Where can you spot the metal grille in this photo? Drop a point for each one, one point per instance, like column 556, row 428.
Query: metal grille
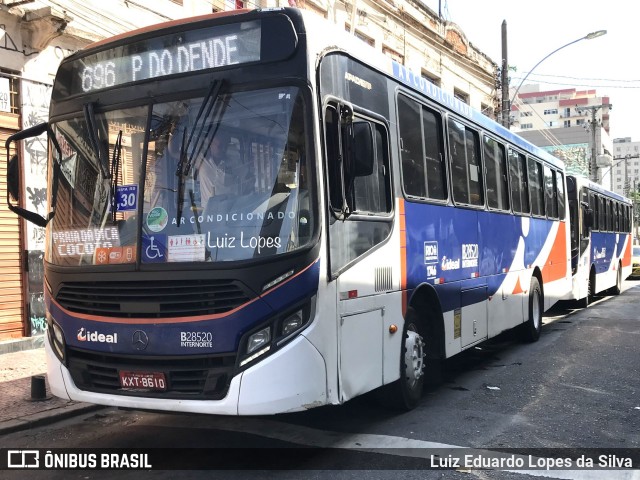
column 159, row 299
column 187, row 377
column 383, row 279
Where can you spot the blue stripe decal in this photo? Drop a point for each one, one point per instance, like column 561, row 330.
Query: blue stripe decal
column 466, row 248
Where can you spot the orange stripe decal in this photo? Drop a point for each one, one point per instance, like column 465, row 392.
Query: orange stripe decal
column 555, row 267
column 403, row 254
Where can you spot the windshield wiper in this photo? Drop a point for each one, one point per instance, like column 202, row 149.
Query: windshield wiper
column 181, row 176
column 115, row 169
column 186, row 161
column 90, row 118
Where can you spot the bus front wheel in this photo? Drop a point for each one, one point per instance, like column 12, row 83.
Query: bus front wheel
column 405, row 393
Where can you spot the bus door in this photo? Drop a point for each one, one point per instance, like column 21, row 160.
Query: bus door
column 361, row 256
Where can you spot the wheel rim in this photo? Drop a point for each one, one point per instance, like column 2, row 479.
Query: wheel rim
column 535, row 310
column 414, row 358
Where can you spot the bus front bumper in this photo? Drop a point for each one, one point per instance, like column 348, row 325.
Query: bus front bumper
column 292, row 379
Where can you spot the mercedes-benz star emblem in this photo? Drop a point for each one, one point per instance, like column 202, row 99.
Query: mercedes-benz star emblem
column 140, row 340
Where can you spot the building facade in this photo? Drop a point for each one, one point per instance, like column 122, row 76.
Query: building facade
column 626, row 166
column 574, row 123
column 35, row 35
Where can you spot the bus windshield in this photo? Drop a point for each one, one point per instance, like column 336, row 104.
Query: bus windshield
column 210, row 179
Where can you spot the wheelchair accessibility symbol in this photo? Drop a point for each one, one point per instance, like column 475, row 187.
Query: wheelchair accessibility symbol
column 154, row 248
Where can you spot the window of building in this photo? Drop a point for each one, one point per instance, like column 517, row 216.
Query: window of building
column 551, row 111
column 361, row 36
column 460, row 95
column 431, row 78
column 567, row 123
column 487, row 110
column 9, row 92
column 391, row 53
column 526, row 126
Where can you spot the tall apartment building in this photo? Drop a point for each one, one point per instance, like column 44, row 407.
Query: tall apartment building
column 626, row 166
column 35, row 35
column 572, row 124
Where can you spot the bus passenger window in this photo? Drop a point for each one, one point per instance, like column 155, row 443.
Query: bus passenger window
column 413, row 168
column 373, row 192
column 422, row 147
column 595, row 207
column 561, row 199
column 536, row 187
column 434, row 148
column 497, row 192
column 550, row 193
column 518, row 180
column 466, row 173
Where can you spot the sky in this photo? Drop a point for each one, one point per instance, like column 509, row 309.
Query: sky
column 609, row 64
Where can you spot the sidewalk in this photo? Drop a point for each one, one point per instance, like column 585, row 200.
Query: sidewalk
column 19, row 361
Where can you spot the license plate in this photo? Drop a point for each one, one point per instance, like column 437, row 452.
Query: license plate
column 143, row 380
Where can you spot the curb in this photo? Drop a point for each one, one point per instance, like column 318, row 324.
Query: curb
column 27, row 343
column 47, row 417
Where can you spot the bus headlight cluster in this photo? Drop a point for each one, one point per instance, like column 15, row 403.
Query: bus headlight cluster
column 56, row 337
column 276, row 334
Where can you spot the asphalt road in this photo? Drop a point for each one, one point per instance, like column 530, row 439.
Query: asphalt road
column 577, row 388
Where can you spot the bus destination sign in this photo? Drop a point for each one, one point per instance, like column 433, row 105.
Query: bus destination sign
column 183, row 52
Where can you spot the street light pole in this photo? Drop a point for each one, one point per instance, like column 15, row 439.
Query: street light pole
column 589, row 36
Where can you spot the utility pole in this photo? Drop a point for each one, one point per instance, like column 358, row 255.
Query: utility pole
column 593, row 124
column 504, row 80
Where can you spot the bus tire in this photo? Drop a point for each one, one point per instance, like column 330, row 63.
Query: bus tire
column 405, row 393
column 617, row 288
column 531, row 328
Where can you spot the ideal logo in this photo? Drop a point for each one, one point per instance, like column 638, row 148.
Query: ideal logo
column 430, row 252
column 86, row 336
column 448, row 264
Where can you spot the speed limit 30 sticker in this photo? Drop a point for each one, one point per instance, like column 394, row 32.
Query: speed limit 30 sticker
column 126, row 198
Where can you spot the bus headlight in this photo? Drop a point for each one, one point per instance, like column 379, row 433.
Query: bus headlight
column 258, row 339
column 291, row 324
column 56, row 337
column 277, row 333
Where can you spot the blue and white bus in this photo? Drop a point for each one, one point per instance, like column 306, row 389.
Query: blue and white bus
column 601, row 226
column 364, row 224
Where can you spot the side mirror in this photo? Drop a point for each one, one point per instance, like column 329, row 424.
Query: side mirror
column 13, row 178
column 13, row 174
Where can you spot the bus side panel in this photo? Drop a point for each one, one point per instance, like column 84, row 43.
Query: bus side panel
column 476, row 257
column 604, row 248
column 626, row 255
